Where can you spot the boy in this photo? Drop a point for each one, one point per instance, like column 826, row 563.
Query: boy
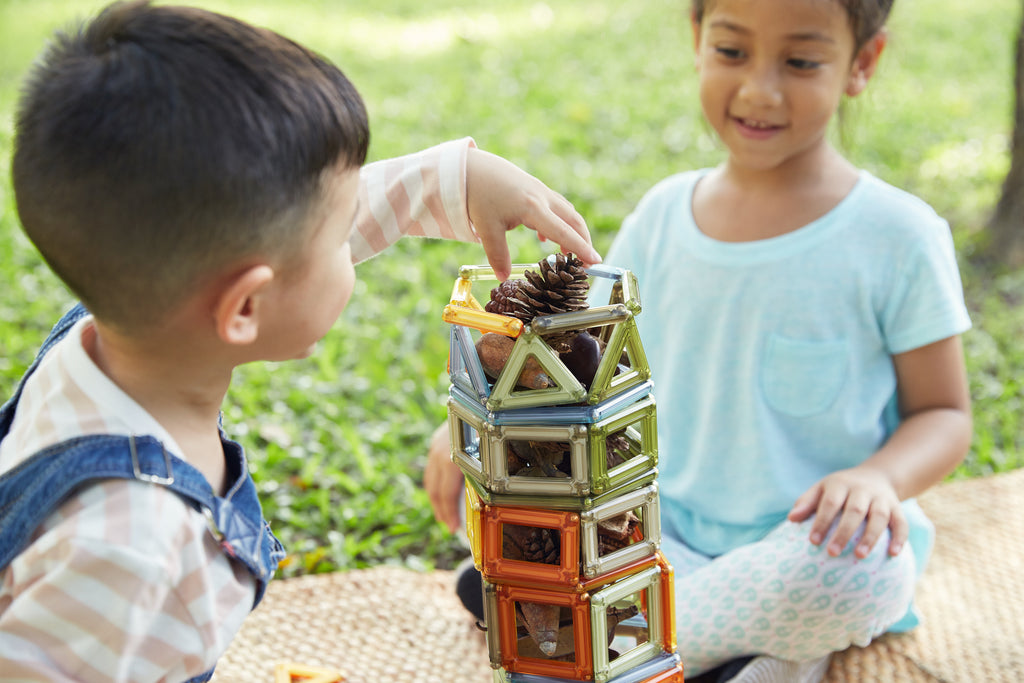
column 196, row 182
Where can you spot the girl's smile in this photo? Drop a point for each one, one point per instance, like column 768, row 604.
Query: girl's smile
column 756, row 129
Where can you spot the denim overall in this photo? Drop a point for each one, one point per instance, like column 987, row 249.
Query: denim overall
column 36, row 487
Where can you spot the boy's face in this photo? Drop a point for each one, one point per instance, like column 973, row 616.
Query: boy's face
column 310, row 295
column 772, row 75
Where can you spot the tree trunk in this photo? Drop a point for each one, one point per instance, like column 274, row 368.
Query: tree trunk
column 1006, row 227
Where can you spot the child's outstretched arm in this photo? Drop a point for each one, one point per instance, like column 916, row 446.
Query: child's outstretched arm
column 456, row 191
column 931, row 441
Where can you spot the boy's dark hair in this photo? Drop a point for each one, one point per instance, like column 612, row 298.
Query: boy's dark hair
column 155, row 146
column 867, row 17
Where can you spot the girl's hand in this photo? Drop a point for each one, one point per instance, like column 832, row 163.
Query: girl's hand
column 853, row 496
column 502, row 196
column 442, row 479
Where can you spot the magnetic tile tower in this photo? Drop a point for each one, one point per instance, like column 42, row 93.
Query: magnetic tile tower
column 562, row 506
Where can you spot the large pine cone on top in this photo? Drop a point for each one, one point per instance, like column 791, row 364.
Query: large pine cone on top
column 558, row 287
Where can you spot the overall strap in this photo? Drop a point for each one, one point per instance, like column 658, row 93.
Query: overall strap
column 33, row 490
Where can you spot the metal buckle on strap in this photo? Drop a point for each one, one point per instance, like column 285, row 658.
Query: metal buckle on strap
column 151, row 478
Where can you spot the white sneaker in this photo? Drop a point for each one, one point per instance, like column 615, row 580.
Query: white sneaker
column 765, row 669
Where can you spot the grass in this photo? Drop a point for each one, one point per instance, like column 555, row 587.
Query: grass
column 598, row 99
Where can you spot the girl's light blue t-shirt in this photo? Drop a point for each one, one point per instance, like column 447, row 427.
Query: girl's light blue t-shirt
column 772, row 359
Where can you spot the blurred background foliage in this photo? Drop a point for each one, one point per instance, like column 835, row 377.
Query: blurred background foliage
column 598, row 99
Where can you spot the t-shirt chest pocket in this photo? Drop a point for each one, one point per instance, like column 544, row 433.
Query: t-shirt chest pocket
column 803, row 377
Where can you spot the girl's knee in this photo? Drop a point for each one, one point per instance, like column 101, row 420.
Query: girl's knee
column 855, row 599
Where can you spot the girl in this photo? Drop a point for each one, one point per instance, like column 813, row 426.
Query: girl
column 802, row 322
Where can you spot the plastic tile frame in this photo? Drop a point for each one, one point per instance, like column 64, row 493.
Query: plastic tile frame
column 648, row 584
column 474, row 524
column 497, row 568
column 559, row 502
column 577, row 483
column 618, row 331
column 640, row 421
column 480, row 449
column 647, row 500
column 649, row 662
column 469, row 441
column 543, row 415
column 665, row 668
column 581, row 668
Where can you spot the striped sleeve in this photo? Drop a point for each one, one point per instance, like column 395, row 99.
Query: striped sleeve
column 421, row 194
column 122, row 583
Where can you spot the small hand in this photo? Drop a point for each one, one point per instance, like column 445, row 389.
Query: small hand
column 443, row 480
column 502, row 196
column 853, row 495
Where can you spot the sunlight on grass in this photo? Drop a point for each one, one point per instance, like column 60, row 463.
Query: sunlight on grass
column 383, row 37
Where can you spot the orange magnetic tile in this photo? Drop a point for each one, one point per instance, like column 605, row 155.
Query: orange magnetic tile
column 482, row 320
column 581, row 669
column 563, row 576
column 290, row 672
column 668, row 597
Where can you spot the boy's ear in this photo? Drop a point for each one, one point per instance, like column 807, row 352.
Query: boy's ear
column 237, row 306
column 865, row 62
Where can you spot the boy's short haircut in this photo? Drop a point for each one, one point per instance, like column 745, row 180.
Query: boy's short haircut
column 156, row 146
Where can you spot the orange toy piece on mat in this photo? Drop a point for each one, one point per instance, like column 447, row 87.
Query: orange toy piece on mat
column 289, row 672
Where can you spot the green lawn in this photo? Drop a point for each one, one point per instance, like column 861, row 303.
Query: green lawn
column 598, row 99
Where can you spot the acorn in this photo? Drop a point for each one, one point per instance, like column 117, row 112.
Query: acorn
column 494, row 350
column 583, row 357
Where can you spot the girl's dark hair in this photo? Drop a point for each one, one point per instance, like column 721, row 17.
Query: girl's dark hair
column 867, row 17
column 158, row 144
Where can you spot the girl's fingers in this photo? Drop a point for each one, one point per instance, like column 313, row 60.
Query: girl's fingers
column 877, row 522
column 899, row 528
column 829, row 506
column 805, row 505
column 854, row 512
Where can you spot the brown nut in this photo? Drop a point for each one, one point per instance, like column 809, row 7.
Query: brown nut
column 494, row 350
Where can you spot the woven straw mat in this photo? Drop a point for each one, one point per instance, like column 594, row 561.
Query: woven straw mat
column 389, row 624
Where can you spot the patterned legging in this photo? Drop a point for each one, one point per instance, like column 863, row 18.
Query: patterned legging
column 785, row 597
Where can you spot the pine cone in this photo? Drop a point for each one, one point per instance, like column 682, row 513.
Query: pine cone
column 531, row 544
column 616, row 533
column 617, row 449
column 544, row 458
column 504, row 301
column 555, row 288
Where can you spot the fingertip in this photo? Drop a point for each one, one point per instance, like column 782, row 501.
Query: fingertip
column 502, row 267
column 799, row 512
